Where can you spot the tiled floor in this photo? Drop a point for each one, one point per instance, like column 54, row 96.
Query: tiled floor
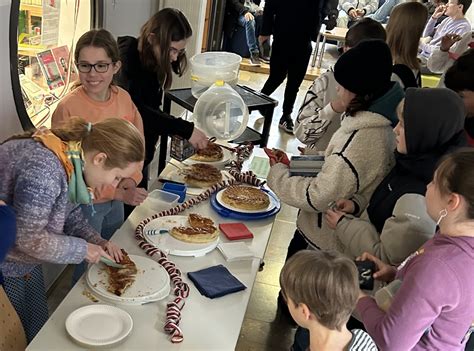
column 263, row 327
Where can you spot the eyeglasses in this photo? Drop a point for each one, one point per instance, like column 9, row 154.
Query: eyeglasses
column 100, row 67
column 174, row 51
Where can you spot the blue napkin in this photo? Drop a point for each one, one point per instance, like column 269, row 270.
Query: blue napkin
column 215, row 281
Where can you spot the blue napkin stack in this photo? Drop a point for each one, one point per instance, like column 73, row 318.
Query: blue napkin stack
column 215, row 281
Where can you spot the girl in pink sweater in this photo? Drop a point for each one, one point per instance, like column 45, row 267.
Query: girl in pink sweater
column 434, row 306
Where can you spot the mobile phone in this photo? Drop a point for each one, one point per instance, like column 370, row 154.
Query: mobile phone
column 366, row 269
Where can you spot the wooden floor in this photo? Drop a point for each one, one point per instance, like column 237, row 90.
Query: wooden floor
column 330, row 57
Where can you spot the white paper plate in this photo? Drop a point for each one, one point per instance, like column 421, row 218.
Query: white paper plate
column 99, row 325
column 270, row 206
column 152, row 283
column 167, row 243
column 227, row 156
column 176, row 176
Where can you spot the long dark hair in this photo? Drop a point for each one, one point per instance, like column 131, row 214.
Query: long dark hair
column 166, row 26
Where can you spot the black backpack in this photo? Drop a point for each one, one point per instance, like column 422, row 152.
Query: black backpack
column 406, row 76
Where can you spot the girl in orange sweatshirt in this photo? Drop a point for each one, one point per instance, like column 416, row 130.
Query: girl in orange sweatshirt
column 96, row 98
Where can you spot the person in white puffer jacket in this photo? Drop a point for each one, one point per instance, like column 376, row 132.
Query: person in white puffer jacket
column 352, row 10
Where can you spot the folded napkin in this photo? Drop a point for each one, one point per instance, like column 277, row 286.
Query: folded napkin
column 215, row 281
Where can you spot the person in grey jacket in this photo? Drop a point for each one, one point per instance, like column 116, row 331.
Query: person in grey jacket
column 395, row 224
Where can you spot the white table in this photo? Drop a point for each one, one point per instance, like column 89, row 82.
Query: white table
column 207, row 324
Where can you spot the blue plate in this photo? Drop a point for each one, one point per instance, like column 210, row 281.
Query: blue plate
column 225, row 212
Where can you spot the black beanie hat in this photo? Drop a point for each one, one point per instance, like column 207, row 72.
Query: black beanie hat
column 366, row 68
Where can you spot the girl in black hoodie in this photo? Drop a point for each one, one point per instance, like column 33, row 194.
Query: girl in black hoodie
column 148, row 63
column 395, row 223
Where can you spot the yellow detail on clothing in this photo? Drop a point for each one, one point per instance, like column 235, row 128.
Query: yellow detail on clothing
column 56, row 146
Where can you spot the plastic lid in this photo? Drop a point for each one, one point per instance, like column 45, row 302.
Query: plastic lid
column 221, row 112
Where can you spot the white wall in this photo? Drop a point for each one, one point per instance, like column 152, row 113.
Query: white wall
column 470, row 15
column 125, row 17
column 10, row 123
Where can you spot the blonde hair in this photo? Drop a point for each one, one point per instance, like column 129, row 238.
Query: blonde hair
column 327, row 282
column 119, row 139
column 404, row 29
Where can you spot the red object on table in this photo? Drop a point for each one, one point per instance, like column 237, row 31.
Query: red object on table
column 235, row 231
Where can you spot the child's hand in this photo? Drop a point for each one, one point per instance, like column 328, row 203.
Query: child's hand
column 385, row 272
column 332, row 217
column 302, row 150
column 114, row 251
column 352, row 13
column 346, row 206
column 448, row 40
column 276, row 156
column 439, row 11
column 128, row 192
column 360, row 12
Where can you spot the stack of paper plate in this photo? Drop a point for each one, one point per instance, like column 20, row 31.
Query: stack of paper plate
column 167, row 243
column 152, row 283
column 99, row 325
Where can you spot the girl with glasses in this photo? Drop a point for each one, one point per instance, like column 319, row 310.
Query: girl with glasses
column 149, row 62
column 95, row 97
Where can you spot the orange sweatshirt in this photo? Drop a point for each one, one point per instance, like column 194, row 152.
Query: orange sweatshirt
column 120, row 105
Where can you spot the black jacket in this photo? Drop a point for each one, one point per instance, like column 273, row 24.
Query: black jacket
column 146, row 92
column 434, row 124
column 296, row 22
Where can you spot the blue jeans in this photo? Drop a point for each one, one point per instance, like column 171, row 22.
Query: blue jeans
column 250, row 34
column 384, row 11
column 108, row 217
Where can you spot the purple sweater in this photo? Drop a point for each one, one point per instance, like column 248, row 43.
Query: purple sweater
column 49, row 227
column 434, row 306
column 447, row 26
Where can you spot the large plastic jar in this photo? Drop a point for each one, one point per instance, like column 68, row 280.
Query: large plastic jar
column 209, row 67
column 221, row 112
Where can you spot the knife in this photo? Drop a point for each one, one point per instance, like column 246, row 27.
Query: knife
column 110, row 263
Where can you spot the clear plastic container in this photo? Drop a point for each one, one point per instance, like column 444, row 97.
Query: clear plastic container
column 221, row 112
column 159, row 200
column 209, row 67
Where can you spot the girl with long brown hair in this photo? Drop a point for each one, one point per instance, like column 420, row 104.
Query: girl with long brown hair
column 148, row 64
column 404, row 30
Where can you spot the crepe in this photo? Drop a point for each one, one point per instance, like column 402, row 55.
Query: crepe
column 245, row 197
column 199, row 230
column 201, row 175
column 211, row 153
column 120, row 279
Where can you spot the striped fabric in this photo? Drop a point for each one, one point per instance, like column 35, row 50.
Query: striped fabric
column 28, row 296
column 361, row 341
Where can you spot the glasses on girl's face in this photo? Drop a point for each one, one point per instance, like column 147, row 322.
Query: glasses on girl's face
column 174, row 51
column 100, row 67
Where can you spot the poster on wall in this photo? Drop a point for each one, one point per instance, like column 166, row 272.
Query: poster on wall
column 61, row 56
column 50, row 69
column 50, row 24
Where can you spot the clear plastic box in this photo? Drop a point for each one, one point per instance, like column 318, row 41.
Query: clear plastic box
column 209, row 67
column 159, row 200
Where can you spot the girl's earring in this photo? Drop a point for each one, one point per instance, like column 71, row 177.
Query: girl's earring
column 443, row 213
